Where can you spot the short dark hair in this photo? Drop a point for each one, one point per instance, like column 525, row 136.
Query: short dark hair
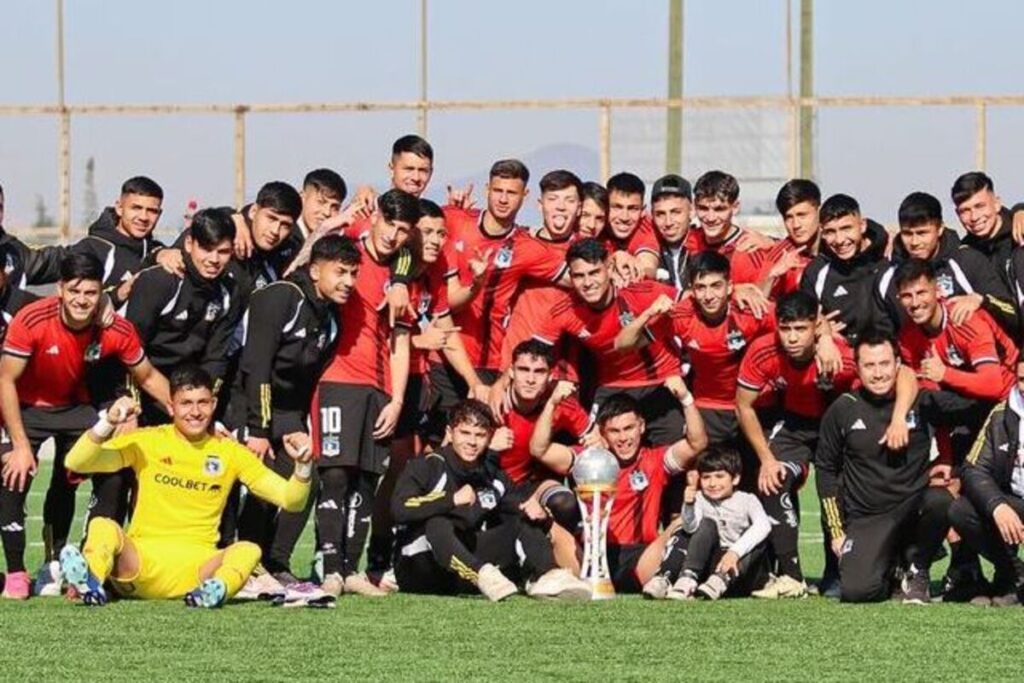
column 142, row 185
column 874, row 338
column 626, row 183
column 838, row 206
column 720, row 459
column 473, row 412
column 717, row 185
column 429, row 209
column 970, row 184
column 616, row 405
column 797, row 191
column 336, row 248
column 510, row 169
column 708, row 263
column 590, row 250
column 413, row 144
column 553, row 181
column 280, row 197
column 189, row 376
column 210, row 227
column 398, row 205
column 595, row 192
column 920, row 208
column 80, row 266
column 912, row 270
column 535, row 348
column 326, row 182
column 794, row 306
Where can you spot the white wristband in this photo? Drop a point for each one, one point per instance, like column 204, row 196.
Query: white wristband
column 103, row 429
column 687, row 400
column 304, row 471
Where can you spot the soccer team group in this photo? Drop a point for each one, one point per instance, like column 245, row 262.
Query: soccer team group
column 421, row 380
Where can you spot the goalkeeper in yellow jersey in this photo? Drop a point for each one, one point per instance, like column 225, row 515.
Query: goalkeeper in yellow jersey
column 184, row 474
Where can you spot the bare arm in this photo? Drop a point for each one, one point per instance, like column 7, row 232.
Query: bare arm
column 152, row 381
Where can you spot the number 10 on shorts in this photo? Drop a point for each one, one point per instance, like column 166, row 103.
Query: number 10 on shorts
column 330, row 431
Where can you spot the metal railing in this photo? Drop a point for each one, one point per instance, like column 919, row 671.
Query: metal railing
column 603, row 107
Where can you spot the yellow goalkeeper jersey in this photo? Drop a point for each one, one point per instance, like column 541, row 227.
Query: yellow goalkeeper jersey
column 183, row 485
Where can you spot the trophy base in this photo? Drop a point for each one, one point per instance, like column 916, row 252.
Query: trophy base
column 601, row 589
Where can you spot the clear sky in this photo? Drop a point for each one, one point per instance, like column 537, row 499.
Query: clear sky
column 319, row 50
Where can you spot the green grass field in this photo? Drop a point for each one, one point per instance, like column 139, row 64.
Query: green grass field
column 406, row 637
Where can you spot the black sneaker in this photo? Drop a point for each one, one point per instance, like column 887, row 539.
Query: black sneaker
column 1005, row 592
column 964, row 587
column 914, row 586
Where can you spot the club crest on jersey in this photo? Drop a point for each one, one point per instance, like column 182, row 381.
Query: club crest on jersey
column 955, row 359
column 321, row 341
column 824, row 382
column 212, row 309
column 638, row 481
column 911, row 420
column 92, row 352
column 331, row 446
column 261, row 282
column 944, row 283
column 625, row 318
column 735, row 341
column 488, row 499
column 503, row 259
column 213, row 466
column 9, row 264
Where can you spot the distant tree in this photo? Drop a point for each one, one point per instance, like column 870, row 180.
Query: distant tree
column 43, row 218
column 91, row 205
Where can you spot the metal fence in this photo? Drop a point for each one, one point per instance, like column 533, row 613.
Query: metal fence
column 603, row 108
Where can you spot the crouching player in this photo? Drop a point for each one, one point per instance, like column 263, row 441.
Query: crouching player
column 184, row 475
column 459, row 529
column 720, row 546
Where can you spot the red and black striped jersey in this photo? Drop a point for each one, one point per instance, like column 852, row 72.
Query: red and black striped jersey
column 715, row 351
column 596, row 329
column 59, row 357
column 754, row 266
column 805, row 392
column 979, row 356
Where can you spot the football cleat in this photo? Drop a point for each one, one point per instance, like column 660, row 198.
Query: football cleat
column 211, row 593
column 77, row 573
column 48, row 581
column 657, row 588
column 17, row 586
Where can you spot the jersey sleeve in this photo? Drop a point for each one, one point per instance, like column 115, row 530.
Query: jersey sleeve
column 759, row 365
column 129, row 347
column 643, row 238
column 437, row 281
column 560, row 321
column 847, row 375
column 20, row 341
column 571, row 418
column 420, row 493
column 268, row 314
column 538, row 261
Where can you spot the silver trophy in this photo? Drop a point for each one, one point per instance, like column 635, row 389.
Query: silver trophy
column 596, row 473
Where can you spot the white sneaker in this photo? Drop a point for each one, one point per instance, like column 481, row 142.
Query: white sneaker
column 388, row 581
column 333, row 584
column 359, row 584
column 560, row 584
column 49, row 581
column 779, row 587
column 714, row 587
column 261, row 586
column 657, row 588
column 684, row 588
column 494, row 584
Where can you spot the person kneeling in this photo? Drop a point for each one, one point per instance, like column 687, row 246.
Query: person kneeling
column 458, row 529
column 720, row 546
column 184, row 474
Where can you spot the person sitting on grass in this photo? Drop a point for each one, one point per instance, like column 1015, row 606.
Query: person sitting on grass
column 460, row 530
column 719, row 548
column 184, row 475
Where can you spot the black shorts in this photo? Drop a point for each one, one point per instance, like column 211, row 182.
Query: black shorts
column 722, row 426
column 622, row 562
column 661, row 411
column 65, row 424
column 794, row 439
column 414, row 407
column 343, row 427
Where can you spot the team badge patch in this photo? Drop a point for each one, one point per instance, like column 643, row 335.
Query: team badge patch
column 92, row 352
column 625, row 318
column 212, row 310
column 331, row 447
column 213, row 466
column 638, row 481
column 503, row 259
column 847, row 546
column 955, row 359
column 488, row 499
column 735, row 341
column 911, row 420
column 944, row 283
